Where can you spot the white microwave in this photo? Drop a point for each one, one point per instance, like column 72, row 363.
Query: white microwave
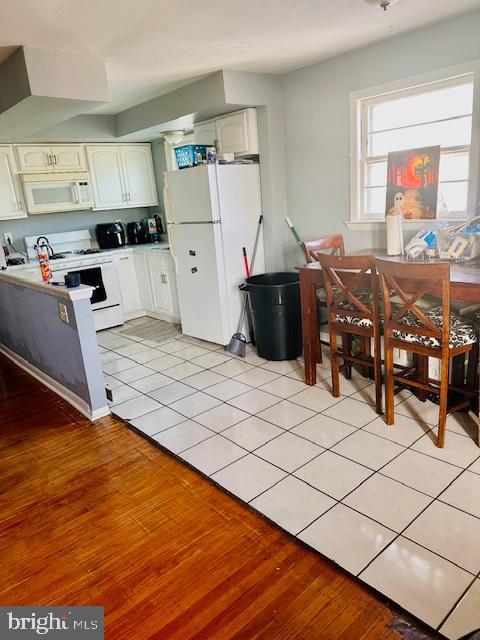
column 51, row 193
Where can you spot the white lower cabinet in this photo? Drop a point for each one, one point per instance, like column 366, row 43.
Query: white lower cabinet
column 129, row 289
column 148, row 285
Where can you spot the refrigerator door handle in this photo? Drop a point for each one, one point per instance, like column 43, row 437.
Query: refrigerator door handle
column 172, row 247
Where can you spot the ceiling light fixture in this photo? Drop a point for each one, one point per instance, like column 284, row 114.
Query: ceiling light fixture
column 383, row 4
column 173, row 137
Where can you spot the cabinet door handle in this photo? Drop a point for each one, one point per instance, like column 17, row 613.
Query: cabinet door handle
column 54, row 158
column 19, row 205
column 128, row 196
column 49, row 159
column 124, row 258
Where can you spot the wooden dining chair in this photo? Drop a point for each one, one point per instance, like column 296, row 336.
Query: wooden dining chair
column 426, row 333
column 315, row 248
column 351, row 286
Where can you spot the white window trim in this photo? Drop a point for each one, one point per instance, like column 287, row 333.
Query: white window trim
column 413, row 83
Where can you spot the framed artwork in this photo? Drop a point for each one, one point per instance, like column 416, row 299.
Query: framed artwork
column 412, row 183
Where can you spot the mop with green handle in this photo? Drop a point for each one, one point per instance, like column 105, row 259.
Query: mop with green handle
column 238, row 342
column 298, row 240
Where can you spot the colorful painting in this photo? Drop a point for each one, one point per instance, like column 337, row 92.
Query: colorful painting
column 412, row 183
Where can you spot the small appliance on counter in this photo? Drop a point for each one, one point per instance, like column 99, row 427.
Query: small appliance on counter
column 110, row 235
column 138, row 232
column 3, row 259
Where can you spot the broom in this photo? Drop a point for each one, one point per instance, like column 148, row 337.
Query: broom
column 238, row 342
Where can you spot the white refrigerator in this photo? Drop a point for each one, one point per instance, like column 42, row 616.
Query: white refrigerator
column 212, row 212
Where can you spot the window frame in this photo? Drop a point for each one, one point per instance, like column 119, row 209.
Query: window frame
column 360, row 101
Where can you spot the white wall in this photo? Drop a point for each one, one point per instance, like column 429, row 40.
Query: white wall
column 316, row 112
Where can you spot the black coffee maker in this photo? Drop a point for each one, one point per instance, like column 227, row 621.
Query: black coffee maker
column 110, row 235
column 138, row 232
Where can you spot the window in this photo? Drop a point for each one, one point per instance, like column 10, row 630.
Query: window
column 437, row 113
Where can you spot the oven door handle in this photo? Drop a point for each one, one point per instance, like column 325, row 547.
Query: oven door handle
column 76, row 193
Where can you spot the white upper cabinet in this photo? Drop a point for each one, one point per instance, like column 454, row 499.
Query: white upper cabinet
column 139, row 178
column 237, row 133
column 106, row 176
column 10, row 191
column 121, row 176
column 38, row 158
column 204, row 133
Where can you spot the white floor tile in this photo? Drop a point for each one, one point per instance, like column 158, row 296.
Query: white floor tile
column 405, row 431
column 113, row 341
column 227, row 389
column 123, row 393
column 146, row 355
column 172, row 392
column 358, row 382
column 285, row 414
column 348, row 538
column 130, row 349
column 282, row 366
column 451, row 533
column 367, row 449
column 353, row 412
column 233, row 367
column 283, row 387
column 112, row 382
column 211, row 346
column 253, row 358
column 221, row 417
column 118, row 365
column 367, row 394
column 191, row 351
column 292, row 504
column 204, row 379
column 323, row 430
column 252, row 433
column 421, row 472
column 464, row 424
column 475, row 467
column 315, row 399
column 165, row 362
column 194, row 404
column 288, row 451
column 458, row 450
column 387, row 501
column 109, row 356
column 134, row 408
column 466, row 616
column 254, row 401
column 257, row 377
column 182, row 436
column 213, row 454
column 157, row 421
column 212, row 359
column 174, row 346
column 423, row 411
column 150, row 383
column 420, row 581
column 332, row 474
column 248, row 477
column 464, row 493
column 183, row 370
column 134, row 373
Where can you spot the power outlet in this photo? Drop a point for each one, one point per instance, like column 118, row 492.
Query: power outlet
column 8, row 238
column 63, row 312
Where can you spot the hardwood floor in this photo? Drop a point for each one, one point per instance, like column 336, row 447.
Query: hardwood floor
column 95, row 514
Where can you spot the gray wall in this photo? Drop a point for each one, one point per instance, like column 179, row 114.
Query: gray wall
column 31, row 327
column 316, row 108
column 69, row 221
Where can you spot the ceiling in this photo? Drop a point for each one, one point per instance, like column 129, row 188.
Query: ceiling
column 154, row 46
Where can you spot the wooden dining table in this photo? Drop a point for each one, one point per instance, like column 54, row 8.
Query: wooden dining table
column 464, row 285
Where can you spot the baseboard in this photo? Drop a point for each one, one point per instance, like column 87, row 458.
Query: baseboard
column 133, row 315
column 78, row 403
column 167, row 317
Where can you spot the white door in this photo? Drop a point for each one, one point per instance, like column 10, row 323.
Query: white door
column 10, row 194
column 204, row 133
column 171, row 283
column 201, row 287
column 127, row 279
column 139, row 177
column 34, row 158
column 68, row 157
column 191, row 195
column 143, row 281
column 158, row 284
column 105, row 164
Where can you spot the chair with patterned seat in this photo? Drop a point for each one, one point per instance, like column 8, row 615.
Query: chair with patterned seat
column 351, row 287
column 425, row 333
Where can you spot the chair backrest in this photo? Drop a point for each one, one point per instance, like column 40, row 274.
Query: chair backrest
column 410, row 282
column 344, row 277
column 314, row 248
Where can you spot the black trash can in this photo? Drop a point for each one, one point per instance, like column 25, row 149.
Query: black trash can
column 275, row 306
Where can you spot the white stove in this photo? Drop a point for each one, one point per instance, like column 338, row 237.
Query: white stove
column 73, row 253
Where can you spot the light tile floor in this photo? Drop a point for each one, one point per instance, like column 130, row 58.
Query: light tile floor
column 382, row 502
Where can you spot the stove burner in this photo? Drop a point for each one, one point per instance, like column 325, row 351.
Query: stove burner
column 57, row 256
column 87, row 252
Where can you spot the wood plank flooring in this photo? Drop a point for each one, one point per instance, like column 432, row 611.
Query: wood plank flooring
column 95, row 514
